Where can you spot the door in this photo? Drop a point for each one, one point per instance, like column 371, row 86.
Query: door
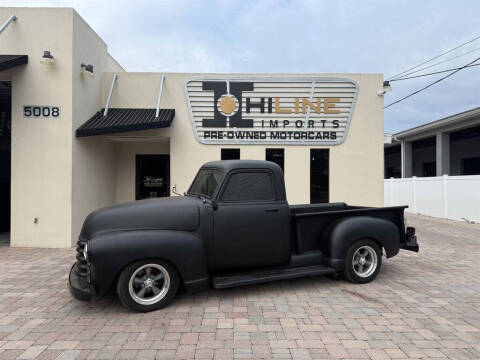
column 277, row 156
column 319, row 184
column 248, row 226
column 5, row 153
column 152, row 176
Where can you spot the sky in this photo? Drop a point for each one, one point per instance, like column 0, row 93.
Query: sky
column 300, row 36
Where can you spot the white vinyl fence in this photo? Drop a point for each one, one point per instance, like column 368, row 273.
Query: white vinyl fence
column 451, row 197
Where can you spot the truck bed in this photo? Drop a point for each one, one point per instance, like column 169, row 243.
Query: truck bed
column 310, row 221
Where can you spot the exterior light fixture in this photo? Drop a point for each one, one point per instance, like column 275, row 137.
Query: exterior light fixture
column 87, row 69
column 386, row 88
column 47, row 58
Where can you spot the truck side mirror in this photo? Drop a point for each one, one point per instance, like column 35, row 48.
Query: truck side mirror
column 214, row 205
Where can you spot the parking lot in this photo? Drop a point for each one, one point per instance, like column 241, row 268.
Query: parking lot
column 424, row 305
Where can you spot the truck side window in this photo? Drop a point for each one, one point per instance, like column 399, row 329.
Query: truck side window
column 249, row 186
column 205, row 182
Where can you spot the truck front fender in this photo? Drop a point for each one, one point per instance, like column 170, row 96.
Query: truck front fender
column 340, row 235
column 109, row 253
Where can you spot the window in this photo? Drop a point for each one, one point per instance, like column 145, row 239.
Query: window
column 471, row 166
column 393, row 161
column 319, row 170
column 249, row 186
column 230, row 154
column 275, row 155
column 206, row 182
column 429, row 168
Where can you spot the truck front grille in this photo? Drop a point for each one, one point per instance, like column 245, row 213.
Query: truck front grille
column 81, row 262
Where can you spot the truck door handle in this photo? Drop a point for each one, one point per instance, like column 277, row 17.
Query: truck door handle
column 271, row 210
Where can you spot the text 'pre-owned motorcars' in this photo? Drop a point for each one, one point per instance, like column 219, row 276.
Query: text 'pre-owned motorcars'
column 233, row 227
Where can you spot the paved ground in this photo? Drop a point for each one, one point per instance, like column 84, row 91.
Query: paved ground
column 423, row 305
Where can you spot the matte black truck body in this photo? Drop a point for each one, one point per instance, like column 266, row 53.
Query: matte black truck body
column 240, row 231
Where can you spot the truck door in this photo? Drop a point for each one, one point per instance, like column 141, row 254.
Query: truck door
column 250, row 226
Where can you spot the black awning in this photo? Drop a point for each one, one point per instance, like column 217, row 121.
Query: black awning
column 123, row 120
column 10, row 61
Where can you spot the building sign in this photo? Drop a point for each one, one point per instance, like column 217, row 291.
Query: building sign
column 314, row 111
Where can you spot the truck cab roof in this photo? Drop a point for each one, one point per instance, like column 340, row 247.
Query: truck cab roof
column 228, row 165
column 231, row 165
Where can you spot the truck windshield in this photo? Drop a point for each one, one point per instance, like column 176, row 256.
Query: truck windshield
column 205, row 182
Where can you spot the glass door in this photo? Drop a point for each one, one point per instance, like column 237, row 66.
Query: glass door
column 152, row 176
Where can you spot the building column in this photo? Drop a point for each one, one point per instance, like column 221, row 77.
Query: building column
column 406, row 148
column 443, row 154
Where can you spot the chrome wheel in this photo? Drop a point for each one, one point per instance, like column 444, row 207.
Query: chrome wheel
column 149, row 284
column 364, row 261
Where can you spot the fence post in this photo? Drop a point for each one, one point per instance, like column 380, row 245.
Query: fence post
column 445, row 197
column 391, row 192
column 414, row 190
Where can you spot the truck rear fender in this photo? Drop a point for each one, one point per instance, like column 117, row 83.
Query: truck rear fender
column 341, row 234
column 111, row 252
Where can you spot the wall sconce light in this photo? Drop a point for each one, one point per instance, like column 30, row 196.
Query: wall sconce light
column 87, row 69
column 47, row 58
column 386, row 88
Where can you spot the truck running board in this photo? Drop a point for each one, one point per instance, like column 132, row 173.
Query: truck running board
column 262, row 276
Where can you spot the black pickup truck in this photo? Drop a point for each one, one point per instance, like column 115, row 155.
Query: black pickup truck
column 233, row 227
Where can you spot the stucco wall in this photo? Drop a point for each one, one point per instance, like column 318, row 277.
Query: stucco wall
column 113, row 65
column 56, row 178
column 356, row 166
column 93, row 159
column 41, row 147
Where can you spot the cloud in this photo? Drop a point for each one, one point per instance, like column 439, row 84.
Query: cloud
column 380, row 36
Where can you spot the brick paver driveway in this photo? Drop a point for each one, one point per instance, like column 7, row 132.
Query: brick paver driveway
column 420, row 306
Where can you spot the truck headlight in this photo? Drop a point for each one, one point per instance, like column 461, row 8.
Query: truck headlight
column 85, row 252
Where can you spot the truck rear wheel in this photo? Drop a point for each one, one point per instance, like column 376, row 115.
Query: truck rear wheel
column 363, row 261
column 147, row 285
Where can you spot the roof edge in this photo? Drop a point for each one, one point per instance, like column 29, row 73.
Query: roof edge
column 464, row 115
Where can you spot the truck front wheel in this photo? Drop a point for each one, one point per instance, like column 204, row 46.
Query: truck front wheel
column 363, row 261
column 147, row 285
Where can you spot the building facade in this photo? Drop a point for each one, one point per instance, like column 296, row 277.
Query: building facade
column 80, row 133
column 449, row 146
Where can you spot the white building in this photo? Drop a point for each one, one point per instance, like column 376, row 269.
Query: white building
column 82, row 133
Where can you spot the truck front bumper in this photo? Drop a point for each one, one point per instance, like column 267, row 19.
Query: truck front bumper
column 78, row 286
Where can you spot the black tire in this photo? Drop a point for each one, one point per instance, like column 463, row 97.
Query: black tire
column 352, row 272
column 167, row 285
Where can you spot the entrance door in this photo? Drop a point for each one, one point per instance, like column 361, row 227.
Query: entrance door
column 319, row 184
column 152, row 176
column 5, row 126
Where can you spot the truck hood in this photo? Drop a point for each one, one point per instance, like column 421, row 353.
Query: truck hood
column 172, row 213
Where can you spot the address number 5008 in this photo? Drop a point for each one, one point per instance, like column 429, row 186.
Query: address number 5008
column 41, row 111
